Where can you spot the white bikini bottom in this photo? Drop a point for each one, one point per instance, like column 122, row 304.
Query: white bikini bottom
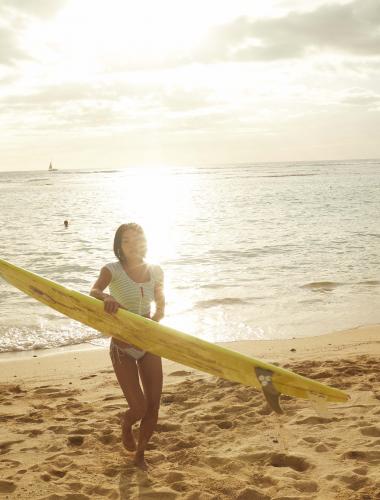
column 117, row 351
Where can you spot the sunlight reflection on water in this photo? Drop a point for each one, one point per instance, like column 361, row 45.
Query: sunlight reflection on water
column 243, row 247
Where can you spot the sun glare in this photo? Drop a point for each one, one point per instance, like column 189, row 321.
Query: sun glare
column 119, row 30
column 160, row 201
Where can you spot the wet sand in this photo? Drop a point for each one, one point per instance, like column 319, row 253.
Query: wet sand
column 60, row 431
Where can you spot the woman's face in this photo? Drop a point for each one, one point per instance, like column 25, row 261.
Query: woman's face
column 133, row 244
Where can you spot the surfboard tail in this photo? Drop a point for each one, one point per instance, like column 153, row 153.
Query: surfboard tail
column 272, row 395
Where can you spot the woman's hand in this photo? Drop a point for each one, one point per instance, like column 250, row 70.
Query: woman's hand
column 157, row 316
column 110, row 304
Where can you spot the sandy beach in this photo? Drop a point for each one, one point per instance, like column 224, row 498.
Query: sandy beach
column 60, row 431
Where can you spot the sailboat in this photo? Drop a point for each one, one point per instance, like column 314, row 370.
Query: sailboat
column 51, row 169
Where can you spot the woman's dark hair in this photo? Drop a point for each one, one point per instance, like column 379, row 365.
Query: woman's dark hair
column 118, row 235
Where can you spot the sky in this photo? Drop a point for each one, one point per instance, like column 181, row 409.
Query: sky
column 112, row 83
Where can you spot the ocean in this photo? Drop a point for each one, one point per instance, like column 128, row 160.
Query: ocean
column 249, row 251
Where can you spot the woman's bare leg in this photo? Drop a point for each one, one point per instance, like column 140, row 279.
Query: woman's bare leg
column 127, row 375
column 150, row 370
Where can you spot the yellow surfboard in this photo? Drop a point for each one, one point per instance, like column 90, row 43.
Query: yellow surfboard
column 170, row 343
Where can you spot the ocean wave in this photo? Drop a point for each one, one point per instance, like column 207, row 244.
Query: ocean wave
column 252, row 252
column 322, row 286
column 369, row 282
column 38, row 179
column 216, row 285
column 287, row 175
column 10, row 181
column 87, row 172
column 204, row 304
column 184, row 260
column 373, row 235
column 329, row 286
column 15, row 339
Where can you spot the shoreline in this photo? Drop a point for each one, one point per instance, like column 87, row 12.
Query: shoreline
column 87, row 346
column 60, row 432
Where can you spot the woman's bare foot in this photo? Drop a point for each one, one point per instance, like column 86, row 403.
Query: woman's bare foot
column 127, row 435
column 139, row 461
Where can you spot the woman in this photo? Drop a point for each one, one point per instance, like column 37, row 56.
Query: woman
column 133, row 285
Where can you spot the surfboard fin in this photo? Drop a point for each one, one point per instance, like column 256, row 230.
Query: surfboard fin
column 270, row 392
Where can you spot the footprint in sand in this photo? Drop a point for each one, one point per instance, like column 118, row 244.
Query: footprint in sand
column 181, row 486
column 168, row 398
column 86, row 411
column 33, row 432
column 32, row 418
column 12, row 389
column 251, row 493
column 372, row 431
column 9, row 463
column 322, row 448
column 111, row 407
column 111, row 471
column 111, row 397
column 75, row 486
column 54, row 392
column 42, row 407
column 57, row 429
column 174, row 476
column 179, row 373
column 306, row 486
column 297, row 463
column 107, row 438
column 369, row 456
column 182, row 444
column 167, row 427
column 77, row 420
column 57, row 473
column 362, row 471
column 62, row 462
column 264, row 410
column 353, row 481
column 82, row 430
column 75, row 440
column 7, row 486
column 5, row 446
column 216, row 461
column 96, row 492
column 310, row 439
column 53, row 448
column 314, row 420
column 211, row 417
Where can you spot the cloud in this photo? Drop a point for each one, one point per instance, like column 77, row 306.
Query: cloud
column 9, row 50
column 117, row 107
column 52, row 95
column 351, row 28
column 361, row 97
column 154, row 96
column 181, row 100
column 39, row 8
column 15, row 15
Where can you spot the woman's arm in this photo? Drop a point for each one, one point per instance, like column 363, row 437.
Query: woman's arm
column 159, row 299
column 110, row 304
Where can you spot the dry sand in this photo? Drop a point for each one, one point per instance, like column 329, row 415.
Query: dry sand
column 60, row 433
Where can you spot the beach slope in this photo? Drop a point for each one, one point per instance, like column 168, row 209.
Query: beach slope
column 60, row 431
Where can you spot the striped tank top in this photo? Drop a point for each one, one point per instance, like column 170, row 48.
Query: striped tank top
column 135, row 297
